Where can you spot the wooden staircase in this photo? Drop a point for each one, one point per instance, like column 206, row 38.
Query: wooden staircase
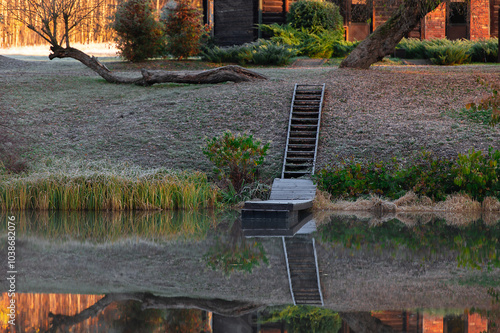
column 303, row 131
column 303, row 274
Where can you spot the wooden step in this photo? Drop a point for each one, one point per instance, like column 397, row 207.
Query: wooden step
column 305, row 113
column 299, row 145
column 293, row 153
column 305, row 119
column 303, row 134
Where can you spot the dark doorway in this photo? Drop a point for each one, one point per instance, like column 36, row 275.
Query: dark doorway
column 360, row 19
column 457, row 20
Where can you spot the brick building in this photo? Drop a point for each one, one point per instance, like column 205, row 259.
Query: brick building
column 234, row 21
column 474, row 19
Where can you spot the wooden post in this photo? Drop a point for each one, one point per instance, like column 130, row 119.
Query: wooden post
column 498, row 57
column 259, row 31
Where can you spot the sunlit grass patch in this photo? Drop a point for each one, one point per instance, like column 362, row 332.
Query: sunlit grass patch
column 99, row 190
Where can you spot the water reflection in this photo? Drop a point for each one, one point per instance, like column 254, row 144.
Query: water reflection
column 169, row 261
column 148, row 313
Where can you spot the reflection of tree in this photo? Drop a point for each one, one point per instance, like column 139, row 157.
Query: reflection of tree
column 476, row 244
column 235, row 252
column 149, row 301
column 364, row 322
column 186, row 321
column 302, row 319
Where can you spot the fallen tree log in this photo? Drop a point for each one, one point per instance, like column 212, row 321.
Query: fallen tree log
column 230, row 73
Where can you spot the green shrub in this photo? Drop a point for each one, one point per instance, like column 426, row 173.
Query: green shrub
column 315, row 44
column 352, row 179
column 313, row 15
column 446, row 52
column 484, row 50
column 451, row 54
column 261, row 52
column 320, row 45
column 138, row 35
column 236, row 157
column 414, row 48
column 270, row 53
column 342, row 48
column 184, row 29
column 221, row 54
column 284, row 33
column 305, row 318
column 428, row 175
column 477, row 173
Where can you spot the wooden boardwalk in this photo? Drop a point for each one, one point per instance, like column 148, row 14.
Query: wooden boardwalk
column 289, row 205
column 295, row 191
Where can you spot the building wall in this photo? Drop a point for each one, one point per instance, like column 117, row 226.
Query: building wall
column 476, row 323
column 435, row 23
column 432, row 324
column 479, row 19
column 383, row 11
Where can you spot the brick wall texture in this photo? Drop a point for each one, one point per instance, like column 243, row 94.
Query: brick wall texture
column 435, row 23
column 432, row 324
column 479, row 19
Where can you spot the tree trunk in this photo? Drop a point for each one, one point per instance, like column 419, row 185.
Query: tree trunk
column 217, row 75
column 385, row 38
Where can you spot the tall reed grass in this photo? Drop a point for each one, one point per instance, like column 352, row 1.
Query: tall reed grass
column 107, row 192
column 113, row 226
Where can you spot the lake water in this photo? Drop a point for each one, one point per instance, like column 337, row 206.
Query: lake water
column 208, row 272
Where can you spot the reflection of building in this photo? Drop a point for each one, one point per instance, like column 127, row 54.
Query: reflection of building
column 416, row 322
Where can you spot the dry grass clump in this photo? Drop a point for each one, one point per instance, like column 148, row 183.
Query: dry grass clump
column 490, row 204
column 103, row 191
column 410, row 202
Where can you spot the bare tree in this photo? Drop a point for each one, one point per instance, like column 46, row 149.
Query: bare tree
column 54, row 20
column 385, row 38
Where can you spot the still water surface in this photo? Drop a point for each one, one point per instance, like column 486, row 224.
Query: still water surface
column 201, row 272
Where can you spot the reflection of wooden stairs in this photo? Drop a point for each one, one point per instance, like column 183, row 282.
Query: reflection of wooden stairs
column 303, row 274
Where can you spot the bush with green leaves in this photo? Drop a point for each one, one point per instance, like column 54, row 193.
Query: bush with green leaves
column 447, row 52
column 261, row 52
column 304, row 318
column 184, row 29
column 314, row 44
column 475, row 173
column 454, row 53
column 271, row 53
column 236, row 157
column 484, row 50
column 315, row 15
column 139, row 35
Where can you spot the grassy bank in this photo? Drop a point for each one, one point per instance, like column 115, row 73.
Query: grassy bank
column 107, row 189
column 79, row 117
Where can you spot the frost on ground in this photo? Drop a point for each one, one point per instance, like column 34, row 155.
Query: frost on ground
column 64, row 110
